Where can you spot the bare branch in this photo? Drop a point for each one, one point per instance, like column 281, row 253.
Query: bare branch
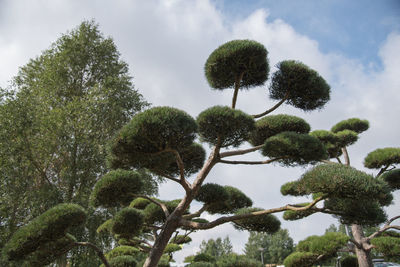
column 181, row 167
column 273, row 108
column 239, row 152
column 386, row 227
column 346, row 156
column 225, row 219
column 195, row 214
column 383, row 170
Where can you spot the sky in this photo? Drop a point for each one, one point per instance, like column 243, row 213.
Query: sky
column 354, row 45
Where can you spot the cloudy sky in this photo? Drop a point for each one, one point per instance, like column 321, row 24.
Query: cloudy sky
column 354, row 45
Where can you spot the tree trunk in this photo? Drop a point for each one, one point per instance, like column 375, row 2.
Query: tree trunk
column 363, row 254
column 161, row 242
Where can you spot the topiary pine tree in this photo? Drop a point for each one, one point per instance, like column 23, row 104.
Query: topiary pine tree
column 355, row 197
column 162, row 141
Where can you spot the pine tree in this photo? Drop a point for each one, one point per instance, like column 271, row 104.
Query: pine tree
column 162, row 141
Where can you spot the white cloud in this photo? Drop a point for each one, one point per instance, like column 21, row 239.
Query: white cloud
column 166, row 44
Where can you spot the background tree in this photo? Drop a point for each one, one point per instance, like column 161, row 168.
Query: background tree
column 56, row 117
column 216, row 248
column 277, row 246
column 162, row 140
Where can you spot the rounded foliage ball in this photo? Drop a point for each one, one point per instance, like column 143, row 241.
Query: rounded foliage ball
column 352, row 124
column 267, row 223
column 209, row 193
column 392, row 177
column 127, row 222
column 123, row 261
column 148, row 139
column 116, row 188
column 121, row 251
column 225, row 126
column 236, row 200
column 47, row 227
column 346, row 138
column 274, row 124
column 235, row 58
column 382, row 157
column 303, row 87
column 300, row 259
column 294, row 149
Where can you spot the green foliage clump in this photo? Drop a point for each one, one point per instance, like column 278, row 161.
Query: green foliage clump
column 150, row 138
column 267, row 223
column 48, row 227
column 116, row 188
column 229, row 61
column 50, row 251
column 353, row 124
column 105, row 227
column 234, row 260
column 203, row 257
column 316, row 248
column 300, row 259
column 201, row 264
column 290, row 188
column 382, row 157
column 291, row 215
column 346, row 138
column 210, row 192
column 122, row 251
column 139, row 203
column 294, row 149
column 392, row 177
column 181, row 239
column 236, row 200
column 326, row 245
column 349, row 261
column 225, row 126
column 368, row 212
column 338, row 180
column 274, row 124
column 303, row 87
column 172, row 247
column 123, row 261
column 387, row 245
column 127, row 222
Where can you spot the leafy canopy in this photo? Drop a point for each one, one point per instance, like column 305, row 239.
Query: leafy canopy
column 235, row 58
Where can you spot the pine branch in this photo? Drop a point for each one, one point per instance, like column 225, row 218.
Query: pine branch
column 225, row 219
column 239, row 152
column 97, row 249
column 250, row 162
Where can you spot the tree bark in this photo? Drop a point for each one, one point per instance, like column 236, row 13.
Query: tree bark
column 362, row 251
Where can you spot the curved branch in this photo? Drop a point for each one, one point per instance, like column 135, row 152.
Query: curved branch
column 160, row 204
column 97, row 249
column 195, row 214
column 181, row 167
column 240, row 152
column 273, row 108
column 346, row 156
column 225, row 219
column 250, row 162
column 386, row 227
